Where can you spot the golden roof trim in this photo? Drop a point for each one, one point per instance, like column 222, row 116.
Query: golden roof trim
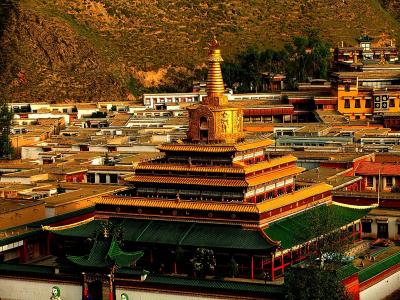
column 189, row 168
column 183, row 204
column 269, row 163
column 267, row 205
column 274, row 175
column 68, row 226
column 293, row 197
column 187, row 180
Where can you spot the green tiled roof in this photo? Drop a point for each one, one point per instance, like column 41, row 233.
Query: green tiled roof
column 96, row 258
column 268, row 289
column 84, row 230
column 17, row 237
column 298, row 229
column 189, row 234
column 32, row 229
column 122, row 258
column 105, row 253
column 378, row 267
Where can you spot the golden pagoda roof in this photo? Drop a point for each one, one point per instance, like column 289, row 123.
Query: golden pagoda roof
column 191, row 168
column 267, row 205
column 188, row 180
column 197, row 148
column 217, row 148
column 274, row 175
column 293, row 197
column 253, row 144
column 268, row 163
column 182, row 204
column 237, row 168
column 254, row 181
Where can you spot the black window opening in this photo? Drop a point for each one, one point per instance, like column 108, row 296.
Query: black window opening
column 346, row 103
column 366, row 227
column 357, row 103
column 370, row 181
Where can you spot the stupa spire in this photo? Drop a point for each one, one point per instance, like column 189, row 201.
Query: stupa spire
column 215, row 82
column 214, row 120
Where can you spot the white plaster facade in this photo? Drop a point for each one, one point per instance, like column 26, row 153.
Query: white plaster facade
column 14, row 289
column 382, row 289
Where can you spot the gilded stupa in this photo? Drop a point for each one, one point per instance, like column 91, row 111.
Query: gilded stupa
column 214, row 121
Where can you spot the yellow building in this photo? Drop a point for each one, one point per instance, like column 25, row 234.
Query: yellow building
column 370, row 94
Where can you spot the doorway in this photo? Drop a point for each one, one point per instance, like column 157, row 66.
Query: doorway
column 95, row 290
column 383, row 230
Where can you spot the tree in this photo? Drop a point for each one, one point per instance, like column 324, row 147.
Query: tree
column 303, row 283
column 203, row 262
column 318, row 277
column 307, row 57
column 6, row 117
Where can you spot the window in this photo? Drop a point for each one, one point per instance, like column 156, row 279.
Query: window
column 368, row 103
column 398, row 228
column 391, row 102
column 389, row 181
column 347, row 87
column 366, row 227
column 346, row 103
column 357, row 103
column 370, row 181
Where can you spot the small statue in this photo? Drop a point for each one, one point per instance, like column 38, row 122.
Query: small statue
column 55, row 293
column 124, row 296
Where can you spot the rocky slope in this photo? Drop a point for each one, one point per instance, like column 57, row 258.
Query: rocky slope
column 56, row 50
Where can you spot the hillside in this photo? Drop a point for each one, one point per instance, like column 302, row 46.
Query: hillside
column 392, row 6
column 53, row 50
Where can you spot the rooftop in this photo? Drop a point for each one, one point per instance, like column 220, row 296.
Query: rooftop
column 81, row 192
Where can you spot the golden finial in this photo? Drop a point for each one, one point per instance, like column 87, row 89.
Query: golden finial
column 213, row 44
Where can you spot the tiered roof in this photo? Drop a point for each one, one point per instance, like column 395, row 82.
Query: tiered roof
column 217, row 148
column 211, row 206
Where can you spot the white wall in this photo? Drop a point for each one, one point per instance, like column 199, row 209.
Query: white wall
column 21, row 180
column 49, row 116
column 13, row 289
column 144, row 295
column 382, row 289
column 30, row 152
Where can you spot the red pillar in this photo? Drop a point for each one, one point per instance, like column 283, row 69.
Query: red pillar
column 360, row 230
column 24, row 256
column 273, row 267
column 282, row 262
column 291, row 256
column 252, row 268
